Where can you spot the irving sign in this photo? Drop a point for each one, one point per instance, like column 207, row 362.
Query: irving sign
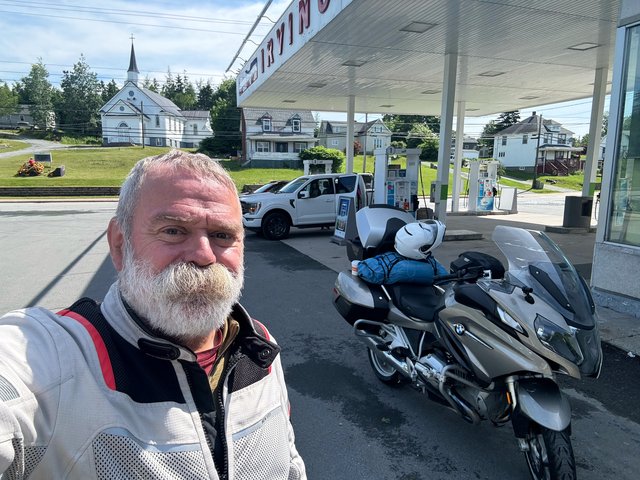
column 296, row 26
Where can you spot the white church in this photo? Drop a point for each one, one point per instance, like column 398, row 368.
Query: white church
column 138, row 116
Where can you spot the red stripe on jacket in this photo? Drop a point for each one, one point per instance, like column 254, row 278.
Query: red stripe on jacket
column 101, row 348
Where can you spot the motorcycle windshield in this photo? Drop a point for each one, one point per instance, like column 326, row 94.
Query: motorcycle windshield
column 537, row 262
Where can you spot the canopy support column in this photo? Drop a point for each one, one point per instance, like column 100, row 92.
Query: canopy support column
column 446, row 123
column 595, row 130
column 351, row 107
column 457, row 161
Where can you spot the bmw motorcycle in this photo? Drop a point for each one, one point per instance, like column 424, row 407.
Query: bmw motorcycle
column 485, row 341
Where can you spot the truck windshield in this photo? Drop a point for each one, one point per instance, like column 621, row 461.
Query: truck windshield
column 293, row 185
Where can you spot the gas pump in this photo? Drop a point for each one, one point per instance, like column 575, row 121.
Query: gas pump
column 394, row 185
column 483, row 183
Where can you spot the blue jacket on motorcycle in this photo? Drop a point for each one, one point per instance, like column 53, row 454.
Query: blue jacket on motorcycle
column 391, row 267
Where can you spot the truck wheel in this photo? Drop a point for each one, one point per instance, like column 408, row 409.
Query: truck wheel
column 276, row 226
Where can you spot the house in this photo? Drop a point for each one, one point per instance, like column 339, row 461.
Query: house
column 469, row 148
column 370, row 135
column 517, row 146
column 274, row 138
column 22, row 118
column 136, row 115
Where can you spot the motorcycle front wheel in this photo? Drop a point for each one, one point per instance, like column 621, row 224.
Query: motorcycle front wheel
column 550, row 455
column 383, row 370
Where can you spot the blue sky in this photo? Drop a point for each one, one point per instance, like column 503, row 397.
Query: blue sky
column 198, row 37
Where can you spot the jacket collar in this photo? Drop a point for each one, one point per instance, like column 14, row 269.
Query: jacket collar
column 258, row 346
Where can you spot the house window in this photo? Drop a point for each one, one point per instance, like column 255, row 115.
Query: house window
column 266, row 124
column 299, row 146
column 334, row 143
column 295, row 123
column 157, row 120
column 525, row 139
column 158, row 142
column 548, row 138
column 377, row 142
column 263, row 147
column 195, row 129
column 562, row 138
column 504, row 140
column 22, row 118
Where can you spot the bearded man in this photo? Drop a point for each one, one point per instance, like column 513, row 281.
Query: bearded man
column 169, row 377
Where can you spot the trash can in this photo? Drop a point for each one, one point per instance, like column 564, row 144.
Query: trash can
column 577, row 212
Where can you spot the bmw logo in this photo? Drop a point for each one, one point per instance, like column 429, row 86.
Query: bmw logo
column 459, row 328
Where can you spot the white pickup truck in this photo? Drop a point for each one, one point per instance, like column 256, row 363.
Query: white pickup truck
column 307, row 201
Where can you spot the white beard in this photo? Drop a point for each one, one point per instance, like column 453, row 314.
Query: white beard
column 184, row 302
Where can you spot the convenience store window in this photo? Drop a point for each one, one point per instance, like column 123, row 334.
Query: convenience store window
column 624, row 220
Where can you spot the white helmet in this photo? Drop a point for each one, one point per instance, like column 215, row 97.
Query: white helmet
column 416, row 240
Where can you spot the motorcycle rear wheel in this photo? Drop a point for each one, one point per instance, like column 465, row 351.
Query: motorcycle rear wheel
column 384, row 371
column 550, row 455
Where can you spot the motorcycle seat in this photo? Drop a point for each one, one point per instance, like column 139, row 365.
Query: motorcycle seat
column 415, row 300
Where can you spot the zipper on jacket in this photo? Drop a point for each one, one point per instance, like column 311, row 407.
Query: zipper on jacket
column 209, row 444
column 220, row 416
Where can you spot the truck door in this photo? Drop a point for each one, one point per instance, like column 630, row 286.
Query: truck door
column 317, row 204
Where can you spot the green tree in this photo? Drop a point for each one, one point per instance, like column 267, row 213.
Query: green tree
column 108, row 91
column 205, row 95
column 225, row 122
column 401, row 125
column 324, row 153
column 152, row 85
column 35, row 91
column 503, row 121
column 8, row 100
column 422, row 137
column 80, row 100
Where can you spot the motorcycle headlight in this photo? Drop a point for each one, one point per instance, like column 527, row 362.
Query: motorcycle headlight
column 556, row 338
column 252, row 208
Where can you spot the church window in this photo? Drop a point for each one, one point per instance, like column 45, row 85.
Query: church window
column 121, row 108
column 131, row 93
column 157, row 120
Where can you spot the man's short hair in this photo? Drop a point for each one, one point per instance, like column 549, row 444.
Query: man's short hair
column 198, row 163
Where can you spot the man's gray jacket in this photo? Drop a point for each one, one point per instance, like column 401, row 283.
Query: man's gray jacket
column 88, row 393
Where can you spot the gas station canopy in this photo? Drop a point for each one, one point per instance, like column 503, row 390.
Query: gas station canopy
column 390, row 54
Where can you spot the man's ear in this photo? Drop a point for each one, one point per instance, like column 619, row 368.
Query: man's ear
column 115, row 238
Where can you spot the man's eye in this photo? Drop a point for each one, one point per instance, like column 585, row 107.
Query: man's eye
column 171, row 231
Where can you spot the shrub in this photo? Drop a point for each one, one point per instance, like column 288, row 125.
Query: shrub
column 324, row 153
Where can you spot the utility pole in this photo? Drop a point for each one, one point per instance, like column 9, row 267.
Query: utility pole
column 142, row 122
column 534, row 183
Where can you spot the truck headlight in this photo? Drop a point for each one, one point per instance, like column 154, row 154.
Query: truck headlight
column 555, row 338
column 252, row 208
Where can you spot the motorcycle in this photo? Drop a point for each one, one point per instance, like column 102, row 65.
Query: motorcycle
column 485, row 341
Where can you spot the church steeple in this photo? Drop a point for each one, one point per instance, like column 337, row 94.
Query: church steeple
column 132, row 73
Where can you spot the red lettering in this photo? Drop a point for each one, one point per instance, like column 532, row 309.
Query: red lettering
column 323, row 5
column 304, row 15
column 270, row 58
column 280, row 35
column 290, row 28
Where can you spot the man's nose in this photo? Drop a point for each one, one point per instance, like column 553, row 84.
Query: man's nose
column 200, row 251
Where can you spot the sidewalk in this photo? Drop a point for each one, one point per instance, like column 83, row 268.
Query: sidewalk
column 618, row 329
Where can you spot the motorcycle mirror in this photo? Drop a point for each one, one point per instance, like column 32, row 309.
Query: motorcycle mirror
column 527, row 295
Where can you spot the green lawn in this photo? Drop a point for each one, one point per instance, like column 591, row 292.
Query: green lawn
column 7, row 144
column 109, row 166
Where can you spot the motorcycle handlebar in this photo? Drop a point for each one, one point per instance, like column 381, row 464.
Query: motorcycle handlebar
column 471, row 273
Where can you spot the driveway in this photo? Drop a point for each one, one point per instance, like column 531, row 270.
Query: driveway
column 36, row 146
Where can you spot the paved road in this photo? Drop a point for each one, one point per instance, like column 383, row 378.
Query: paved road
column 348, row 425
column 36, row 146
